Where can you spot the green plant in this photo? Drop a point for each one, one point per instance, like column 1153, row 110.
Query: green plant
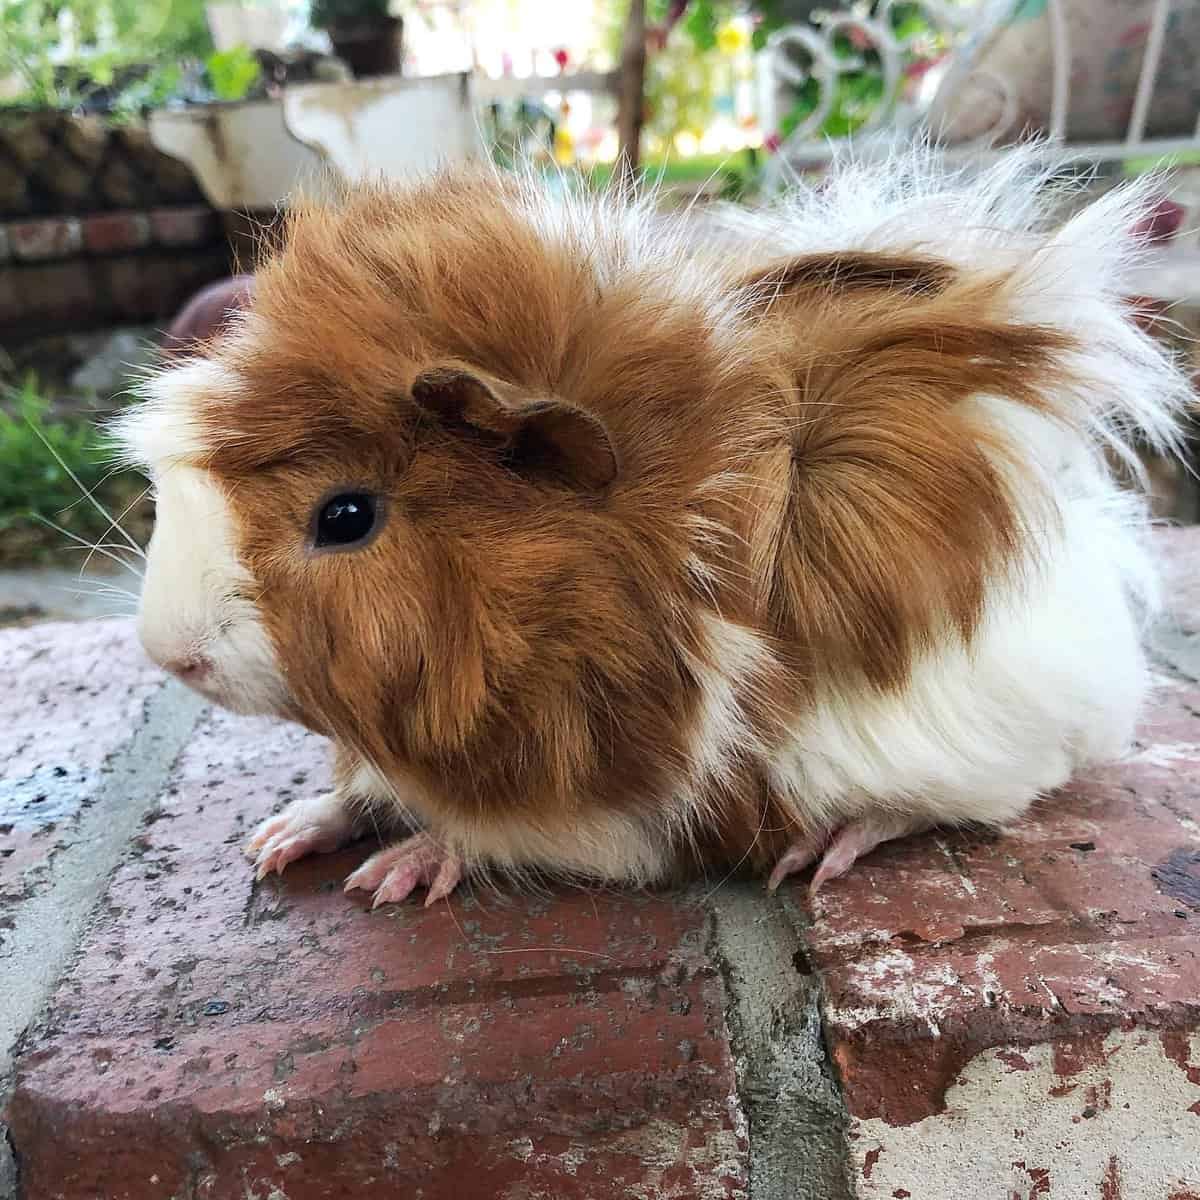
column 683, row 78
column 325, row 14
column 856, row 93
column 66, row 54
column 733, row 174
column 47, row 463
column 232, row 73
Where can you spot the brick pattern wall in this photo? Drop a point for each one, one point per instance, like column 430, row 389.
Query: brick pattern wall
column 70, row 273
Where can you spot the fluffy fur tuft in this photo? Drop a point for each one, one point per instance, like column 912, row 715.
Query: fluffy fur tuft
column 700, row 538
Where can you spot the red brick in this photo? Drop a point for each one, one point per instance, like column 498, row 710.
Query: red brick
column 47, row 238
column 155, row 285
column 80, row 698
column 215, row 1032
column 43, row 296
column 1080, row 919
column 192, row 226
column 115, row 233
column 81, row 292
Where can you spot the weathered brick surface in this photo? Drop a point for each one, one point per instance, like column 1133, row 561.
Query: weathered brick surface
column 1064, row 951
column 154, row 284
column 219, row 1038
column 80, row 697
column 45, row 295
column 1010, row 1015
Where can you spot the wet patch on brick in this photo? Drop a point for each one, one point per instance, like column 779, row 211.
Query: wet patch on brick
column 1178, row 875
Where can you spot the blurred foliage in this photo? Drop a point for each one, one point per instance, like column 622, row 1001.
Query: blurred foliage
column 857, row 92
column 232, row 73
column 519, row 132
column 116, row 56
column 682, row 86
column 733, row 174
column 683, row 79
column 38, row 454
column 703, row 19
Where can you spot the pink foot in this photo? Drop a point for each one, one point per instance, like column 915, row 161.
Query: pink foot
column 393, row 873
column 315, row 826
column 839, row 854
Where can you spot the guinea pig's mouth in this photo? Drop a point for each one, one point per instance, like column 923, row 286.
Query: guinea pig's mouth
column 235, row 677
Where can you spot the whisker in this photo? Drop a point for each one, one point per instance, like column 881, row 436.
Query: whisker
column 136, row 500
column 84, row 543
column 107, row 593
column 737, row 865
column 114, row 523
column 100, row 483
column 101, row 548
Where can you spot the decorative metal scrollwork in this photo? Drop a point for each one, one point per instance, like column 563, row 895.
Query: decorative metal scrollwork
column 950, row 43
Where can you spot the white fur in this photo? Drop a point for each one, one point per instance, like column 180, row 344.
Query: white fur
column 997, row 217
column 1056, row 676
column 198, row 599
column 593, row 843
column 1053, row 680
column 165, row 429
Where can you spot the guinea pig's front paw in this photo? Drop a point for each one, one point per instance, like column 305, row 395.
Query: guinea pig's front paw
column 394, row 872
column 317, row 825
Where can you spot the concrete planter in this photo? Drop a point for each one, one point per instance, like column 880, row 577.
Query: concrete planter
column 254, row 154
column 242, row 154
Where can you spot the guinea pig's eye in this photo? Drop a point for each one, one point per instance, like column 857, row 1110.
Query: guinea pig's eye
column 345, row 519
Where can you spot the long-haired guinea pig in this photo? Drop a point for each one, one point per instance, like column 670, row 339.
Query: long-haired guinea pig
column 604, row 546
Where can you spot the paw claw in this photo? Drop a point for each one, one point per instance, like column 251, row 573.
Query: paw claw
column 317, row 825
column 839, row 853
column 266, row 832
column 447, row 879
column 799, row 855
column 395, row 872
column 397, row 885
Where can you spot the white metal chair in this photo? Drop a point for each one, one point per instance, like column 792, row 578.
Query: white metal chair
column 970, row 27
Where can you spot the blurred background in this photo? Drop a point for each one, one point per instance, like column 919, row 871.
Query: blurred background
column 145, row 145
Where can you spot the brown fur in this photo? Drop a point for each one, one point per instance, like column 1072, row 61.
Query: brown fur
column 850, row 272
column 521, row 644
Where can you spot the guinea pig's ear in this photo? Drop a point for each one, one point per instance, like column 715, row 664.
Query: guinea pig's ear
column 845, row 272
column 537, row 437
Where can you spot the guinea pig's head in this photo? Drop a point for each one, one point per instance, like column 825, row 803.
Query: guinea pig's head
column 387, row 495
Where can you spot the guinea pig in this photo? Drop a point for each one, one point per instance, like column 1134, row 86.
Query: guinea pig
column 609, row 547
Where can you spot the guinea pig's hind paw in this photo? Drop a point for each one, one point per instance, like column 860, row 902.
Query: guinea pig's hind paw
column 800, row 854
column 839, row 853
column 395, row 872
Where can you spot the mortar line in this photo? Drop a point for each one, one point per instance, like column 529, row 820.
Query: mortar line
column 785, row 1081
column 49, row 926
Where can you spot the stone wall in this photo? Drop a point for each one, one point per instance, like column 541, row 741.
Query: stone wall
column 98, row 228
